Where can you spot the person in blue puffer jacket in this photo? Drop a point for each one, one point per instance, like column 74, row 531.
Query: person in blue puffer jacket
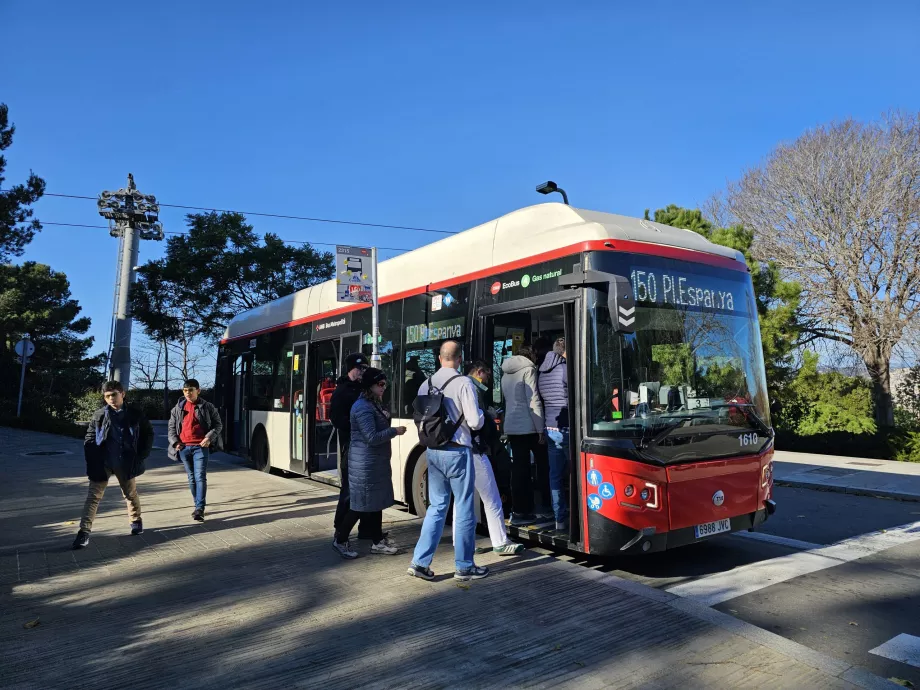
column 553, row 386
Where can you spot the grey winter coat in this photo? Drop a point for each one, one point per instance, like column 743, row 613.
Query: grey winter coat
column 523, row 407
column 370, row 479
column 207, row 416
column 553, row 384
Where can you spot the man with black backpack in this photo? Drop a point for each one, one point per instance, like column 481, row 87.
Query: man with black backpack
column 446, row 411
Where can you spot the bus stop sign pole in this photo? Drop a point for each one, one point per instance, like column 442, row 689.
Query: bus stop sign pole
column 375, row 353
column 25, row 349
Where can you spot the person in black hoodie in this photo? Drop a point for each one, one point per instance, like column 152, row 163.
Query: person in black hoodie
column 118, row 441
column 347, row 391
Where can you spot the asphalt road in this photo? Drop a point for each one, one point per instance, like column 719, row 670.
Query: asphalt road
column 842, row 600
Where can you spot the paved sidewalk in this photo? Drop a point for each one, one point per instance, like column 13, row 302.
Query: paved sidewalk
column 256, row 597
column 861, row 476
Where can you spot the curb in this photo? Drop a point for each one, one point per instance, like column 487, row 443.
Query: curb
column 857, row 675
column 853, row 491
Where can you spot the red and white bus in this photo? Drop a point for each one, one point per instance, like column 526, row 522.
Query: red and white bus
column 669, row 417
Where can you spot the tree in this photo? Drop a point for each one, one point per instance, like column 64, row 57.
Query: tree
column 35, row 299
column 216, row 270
column 825, row 402
column 17, row 227
column 147, row 366
column 777, row 300
column 838, row 210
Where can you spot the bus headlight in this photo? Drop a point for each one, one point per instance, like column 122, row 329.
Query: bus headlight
column 650, row 495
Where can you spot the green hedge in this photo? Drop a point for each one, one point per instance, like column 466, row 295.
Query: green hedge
column 895, row 444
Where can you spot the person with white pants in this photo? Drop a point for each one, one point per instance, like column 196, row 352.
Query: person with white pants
column 484, row 478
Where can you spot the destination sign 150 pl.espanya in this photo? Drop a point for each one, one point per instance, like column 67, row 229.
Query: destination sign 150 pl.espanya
column 662, row 287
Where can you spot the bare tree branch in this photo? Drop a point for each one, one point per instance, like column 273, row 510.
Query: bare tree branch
column 838, row 210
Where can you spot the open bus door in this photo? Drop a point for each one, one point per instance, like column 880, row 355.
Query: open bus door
column 504, row 328
column 299, row 416
column 325, row 361
column 223, row 386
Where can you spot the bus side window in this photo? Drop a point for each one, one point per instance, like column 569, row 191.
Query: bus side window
column 420, row 364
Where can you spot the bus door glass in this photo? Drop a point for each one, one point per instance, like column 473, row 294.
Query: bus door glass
column 323, row 372
column 299, row 409
column 242, row 389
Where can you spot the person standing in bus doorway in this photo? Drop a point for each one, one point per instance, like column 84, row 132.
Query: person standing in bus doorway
column 194, row 430
column 524, row 426
column 485, row 444
column 118, row 440
column 553, row 385
column 450, row 471
column 347, row 391
column 370, row 479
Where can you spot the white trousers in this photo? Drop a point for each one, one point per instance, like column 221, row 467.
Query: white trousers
column 487, row 488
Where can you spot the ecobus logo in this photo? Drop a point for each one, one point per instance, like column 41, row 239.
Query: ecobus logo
column 496, row 287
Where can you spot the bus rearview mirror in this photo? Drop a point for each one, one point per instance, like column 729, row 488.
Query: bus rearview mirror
column 620, row 299
column 622, row 305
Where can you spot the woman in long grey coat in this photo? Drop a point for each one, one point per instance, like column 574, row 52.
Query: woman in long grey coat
column 370, row 479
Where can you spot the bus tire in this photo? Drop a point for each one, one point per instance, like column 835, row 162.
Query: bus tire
column 418, row 487
column 261, row 455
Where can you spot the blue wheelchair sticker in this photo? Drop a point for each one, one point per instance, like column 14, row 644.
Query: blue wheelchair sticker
column 594, row 502
column 607, row 491
column 594, row 477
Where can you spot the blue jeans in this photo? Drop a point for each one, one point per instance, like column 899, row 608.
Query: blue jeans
column 557, row 446
column 450, row 470
column 195, row 459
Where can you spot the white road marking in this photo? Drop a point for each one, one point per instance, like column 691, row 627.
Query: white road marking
column 714, row 589
column 782, row 541
column 904, row 648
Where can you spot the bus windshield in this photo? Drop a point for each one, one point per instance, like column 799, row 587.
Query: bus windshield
column 689, row 384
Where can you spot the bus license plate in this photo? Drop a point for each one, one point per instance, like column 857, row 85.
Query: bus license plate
column 709, row 528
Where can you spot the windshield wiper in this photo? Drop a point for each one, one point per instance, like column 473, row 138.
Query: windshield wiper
column 749, row 410
column 662, row 435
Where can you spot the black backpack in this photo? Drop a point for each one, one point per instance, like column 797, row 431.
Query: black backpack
column 434, row 426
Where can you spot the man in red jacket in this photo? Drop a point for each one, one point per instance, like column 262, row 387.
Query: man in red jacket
column 194, row 429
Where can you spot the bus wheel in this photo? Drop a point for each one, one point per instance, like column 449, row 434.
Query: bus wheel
column 261, row 457
column 419, row 492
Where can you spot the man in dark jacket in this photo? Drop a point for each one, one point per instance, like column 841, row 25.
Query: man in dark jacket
column 194, row 430
column 118, row 441
column 347, row 391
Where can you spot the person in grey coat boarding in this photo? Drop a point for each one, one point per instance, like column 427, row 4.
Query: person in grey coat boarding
column 370, row 479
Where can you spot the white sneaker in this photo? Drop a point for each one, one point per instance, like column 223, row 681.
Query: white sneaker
column 344, row 550
column 385, row 547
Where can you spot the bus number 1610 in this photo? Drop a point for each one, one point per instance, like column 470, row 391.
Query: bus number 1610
column 748, row 439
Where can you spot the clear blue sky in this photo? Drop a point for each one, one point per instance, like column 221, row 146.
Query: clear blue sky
column 418, row 114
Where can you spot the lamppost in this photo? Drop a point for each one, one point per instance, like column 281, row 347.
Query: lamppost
column 132, row 217
column 549, row 187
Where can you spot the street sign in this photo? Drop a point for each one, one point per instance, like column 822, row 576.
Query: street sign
column 26, row 345
column 354, row 274
column 25, row 348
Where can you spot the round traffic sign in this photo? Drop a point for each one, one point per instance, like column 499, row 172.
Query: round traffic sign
column 26, row 345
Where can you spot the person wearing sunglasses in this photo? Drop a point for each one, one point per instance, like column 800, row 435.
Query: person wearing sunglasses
column 370, row 478
column 194, row 431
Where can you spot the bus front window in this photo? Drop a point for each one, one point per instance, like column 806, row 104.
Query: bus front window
column 688, row 385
